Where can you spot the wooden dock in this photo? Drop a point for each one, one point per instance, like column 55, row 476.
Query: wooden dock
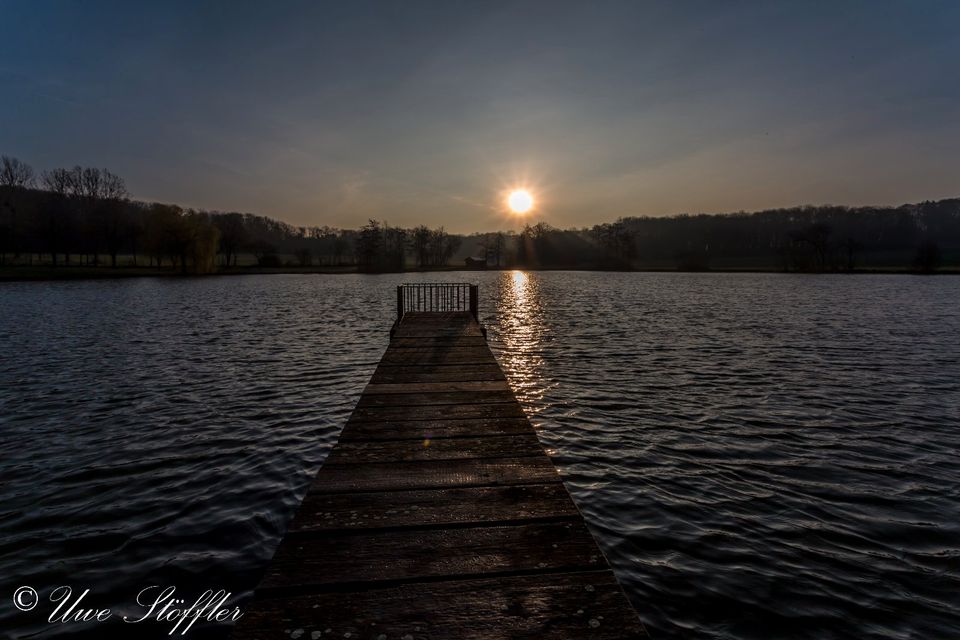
column 438, row 514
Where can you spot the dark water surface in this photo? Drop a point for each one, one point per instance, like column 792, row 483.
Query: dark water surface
column 759, row 455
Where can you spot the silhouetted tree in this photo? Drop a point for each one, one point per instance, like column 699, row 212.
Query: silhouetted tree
column 204, row 240
column 394, row 249
column 617, row 244
column 441, row 247
column 114, row 225
column 172, row 234
column 233, row 235
column 14, row 173
column 420, row 240
column 304, row 257
column 265, row 253
column 16, row 178
column 849, row 247
column 339, row 246
column 59, row 181
column 818, row 235
column 369, row 245
column 808, row 249
column 496, row 247
column 927, row 258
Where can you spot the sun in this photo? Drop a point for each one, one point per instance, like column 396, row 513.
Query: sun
column 520, row 201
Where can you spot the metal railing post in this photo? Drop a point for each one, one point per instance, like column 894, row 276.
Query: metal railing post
column 475, row 301
column 438, row 297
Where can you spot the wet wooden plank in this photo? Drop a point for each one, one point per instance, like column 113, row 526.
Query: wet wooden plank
column 433, row 399
column 444, row 318
column 355, row 557
column 425, row 329
column 418, row 322
column 437, row 373
column 433, row 449
column 588, row 605
column 441, row 342
column 432, row 507
column 421, row 429
column 436, row 387
column 463, row 355
column 437, row 332
column 439, row 325
column 433, row 474
column 437, row 412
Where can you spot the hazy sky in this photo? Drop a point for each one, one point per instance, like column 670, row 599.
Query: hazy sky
column 330, row 113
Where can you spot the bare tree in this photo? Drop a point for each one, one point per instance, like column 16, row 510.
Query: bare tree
column 498, row 247
column 99, row 184
column 369, row 245
column 14, row 173
column 442, row 246
column 338, row 248
column 98, row 194
column 233, row 235
column 112, row 186
column 420, row 239
column 60, row 210
column 58, row 181
column 113, row 224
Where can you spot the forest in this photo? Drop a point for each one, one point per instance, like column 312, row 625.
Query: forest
column 84, row 216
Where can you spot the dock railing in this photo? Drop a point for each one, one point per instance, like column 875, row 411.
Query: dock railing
column 438, row 297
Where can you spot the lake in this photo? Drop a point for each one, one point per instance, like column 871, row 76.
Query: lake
column 759, row 455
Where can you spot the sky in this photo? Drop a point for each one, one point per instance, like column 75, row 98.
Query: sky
column 330, row 113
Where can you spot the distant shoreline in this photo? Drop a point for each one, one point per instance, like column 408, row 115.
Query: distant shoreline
column 26, row 273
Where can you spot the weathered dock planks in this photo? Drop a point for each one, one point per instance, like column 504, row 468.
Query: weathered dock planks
column 438, row 515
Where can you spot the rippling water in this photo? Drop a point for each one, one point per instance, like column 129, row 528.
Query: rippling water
column 759, row 455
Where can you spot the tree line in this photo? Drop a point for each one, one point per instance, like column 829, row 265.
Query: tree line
column 82, row 215
column 380, row 247
column 807, row 239
column 85, row 216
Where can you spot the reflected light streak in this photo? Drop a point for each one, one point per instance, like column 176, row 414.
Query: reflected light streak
column 520, row 287
column 522, row 331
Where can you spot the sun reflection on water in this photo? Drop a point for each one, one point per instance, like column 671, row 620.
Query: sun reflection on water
column 522, row 332
column 520, row 283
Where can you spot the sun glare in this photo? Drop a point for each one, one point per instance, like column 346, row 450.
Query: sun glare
column 520, row 201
